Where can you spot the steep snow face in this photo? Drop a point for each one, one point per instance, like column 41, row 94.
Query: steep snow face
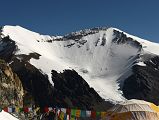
column 98, row 57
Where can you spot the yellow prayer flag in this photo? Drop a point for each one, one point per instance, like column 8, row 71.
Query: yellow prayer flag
column 103, row 114
column 78, row 113
column 62, row 114
column 16, row 109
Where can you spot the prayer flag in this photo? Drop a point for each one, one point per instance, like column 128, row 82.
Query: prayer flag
column 16, row 109
column 20, row 109
column 73, row 112
column 30, row 109
column 103, row 115
column 98, row 115
column 68, row 112
column 93, row 114
column 5, row 109
column 83, row 113
column 88, row 113
column 73, row 118
column 10, row 110
column 26, row 110
column 62, row 115
column 63, row 110
column 46, row 109
column 78, row 113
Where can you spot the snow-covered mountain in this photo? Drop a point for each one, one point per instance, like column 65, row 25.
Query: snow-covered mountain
column 106, row 58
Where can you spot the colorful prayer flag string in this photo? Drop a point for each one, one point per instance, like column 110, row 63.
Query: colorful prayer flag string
column 62, row 113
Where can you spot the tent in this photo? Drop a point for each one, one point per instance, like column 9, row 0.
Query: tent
column 133, row 110
column 6, row 116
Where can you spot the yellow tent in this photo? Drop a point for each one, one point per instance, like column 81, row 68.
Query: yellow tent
column 133, row 110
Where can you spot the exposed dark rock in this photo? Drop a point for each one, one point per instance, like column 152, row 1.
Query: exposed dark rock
column 103, row 40
column 121, row 38
column 9, row 46
column 34, row 82
column 82, row 42
column 144, row 82
column 69, row 45
column 79, row 34
column 72, row 89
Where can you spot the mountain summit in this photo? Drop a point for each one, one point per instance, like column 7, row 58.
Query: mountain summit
column 106, row 62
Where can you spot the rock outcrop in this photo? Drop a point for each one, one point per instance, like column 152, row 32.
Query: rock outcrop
column 11, row 89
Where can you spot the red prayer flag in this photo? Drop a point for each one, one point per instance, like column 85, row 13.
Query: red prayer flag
column 93, row 114
column 46, row 109
column 68, row 112
column 5, row 109
column 26, row 109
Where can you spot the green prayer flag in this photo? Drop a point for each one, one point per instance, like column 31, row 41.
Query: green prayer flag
column 20, row 109
column 73, row 112
column 98, row 114
column 73, row 118
column 0, row 109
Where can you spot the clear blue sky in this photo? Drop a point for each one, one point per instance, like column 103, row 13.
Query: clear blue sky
column 58, row 17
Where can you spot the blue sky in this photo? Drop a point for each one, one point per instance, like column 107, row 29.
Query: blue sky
column 59, row 17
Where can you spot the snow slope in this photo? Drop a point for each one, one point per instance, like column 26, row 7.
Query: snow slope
column 6, row 116
column 95, row 57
